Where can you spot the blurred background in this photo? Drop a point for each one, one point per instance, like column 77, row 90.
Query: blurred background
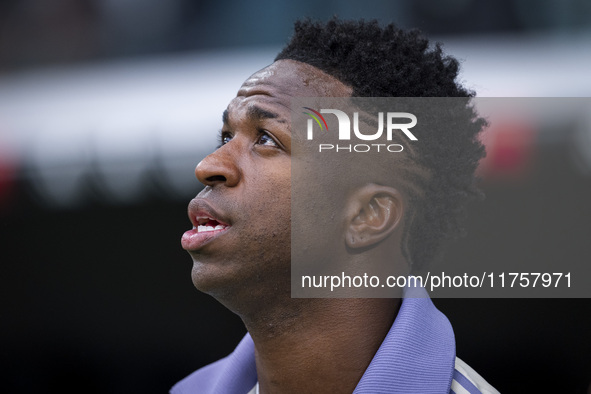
column 107, row 106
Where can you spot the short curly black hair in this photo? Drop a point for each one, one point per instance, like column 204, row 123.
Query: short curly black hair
column 387, row 61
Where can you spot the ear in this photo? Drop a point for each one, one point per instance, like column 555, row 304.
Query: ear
column 373, row 212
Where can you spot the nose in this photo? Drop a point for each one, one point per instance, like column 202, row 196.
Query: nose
column 219, row 168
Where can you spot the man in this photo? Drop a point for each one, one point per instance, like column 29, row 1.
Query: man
column 240, row 243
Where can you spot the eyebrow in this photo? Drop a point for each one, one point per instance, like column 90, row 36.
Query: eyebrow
column 253, row 112
column 259, row 113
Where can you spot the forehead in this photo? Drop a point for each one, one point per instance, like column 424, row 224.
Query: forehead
column 284, row 79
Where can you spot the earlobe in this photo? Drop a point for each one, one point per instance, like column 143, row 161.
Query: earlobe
column 373, row 212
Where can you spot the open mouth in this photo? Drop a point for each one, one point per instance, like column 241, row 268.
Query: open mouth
column 205, row 224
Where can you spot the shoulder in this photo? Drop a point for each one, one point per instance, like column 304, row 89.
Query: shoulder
column 235, row 373
column 467, row 380
column 203, row 379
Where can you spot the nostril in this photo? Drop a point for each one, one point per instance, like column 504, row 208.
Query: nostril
column 216, row 178
column 218, row 168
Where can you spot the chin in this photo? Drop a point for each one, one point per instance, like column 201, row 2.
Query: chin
column 210, row 280
column 225, row 284
column 239, row 290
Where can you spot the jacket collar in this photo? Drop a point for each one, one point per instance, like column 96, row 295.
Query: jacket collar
column 417, row 356
column 418, row 353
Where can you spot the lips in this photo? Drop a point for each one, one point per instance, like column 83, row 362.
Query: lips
column 208, row 225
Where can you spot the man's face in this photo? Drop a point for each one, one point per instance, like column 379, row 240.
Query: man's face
column 241, row 244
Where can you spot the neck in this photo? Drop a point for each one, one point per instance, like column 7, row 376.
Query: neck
column 321, row 346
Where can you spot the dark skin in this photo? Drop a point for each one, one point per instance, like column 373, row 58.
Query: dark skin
column 301, row 345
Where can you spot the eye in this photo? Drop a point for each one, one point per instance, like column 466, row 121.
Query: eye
column 224, row 138
column 266, row 139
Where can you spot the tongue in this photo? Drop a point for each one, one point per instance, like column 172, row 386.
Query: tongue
column 212, row 223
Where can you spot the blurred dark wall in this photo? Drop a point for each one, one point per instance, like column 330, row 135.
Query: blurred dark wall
column 101, row 300
column 528, row 345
